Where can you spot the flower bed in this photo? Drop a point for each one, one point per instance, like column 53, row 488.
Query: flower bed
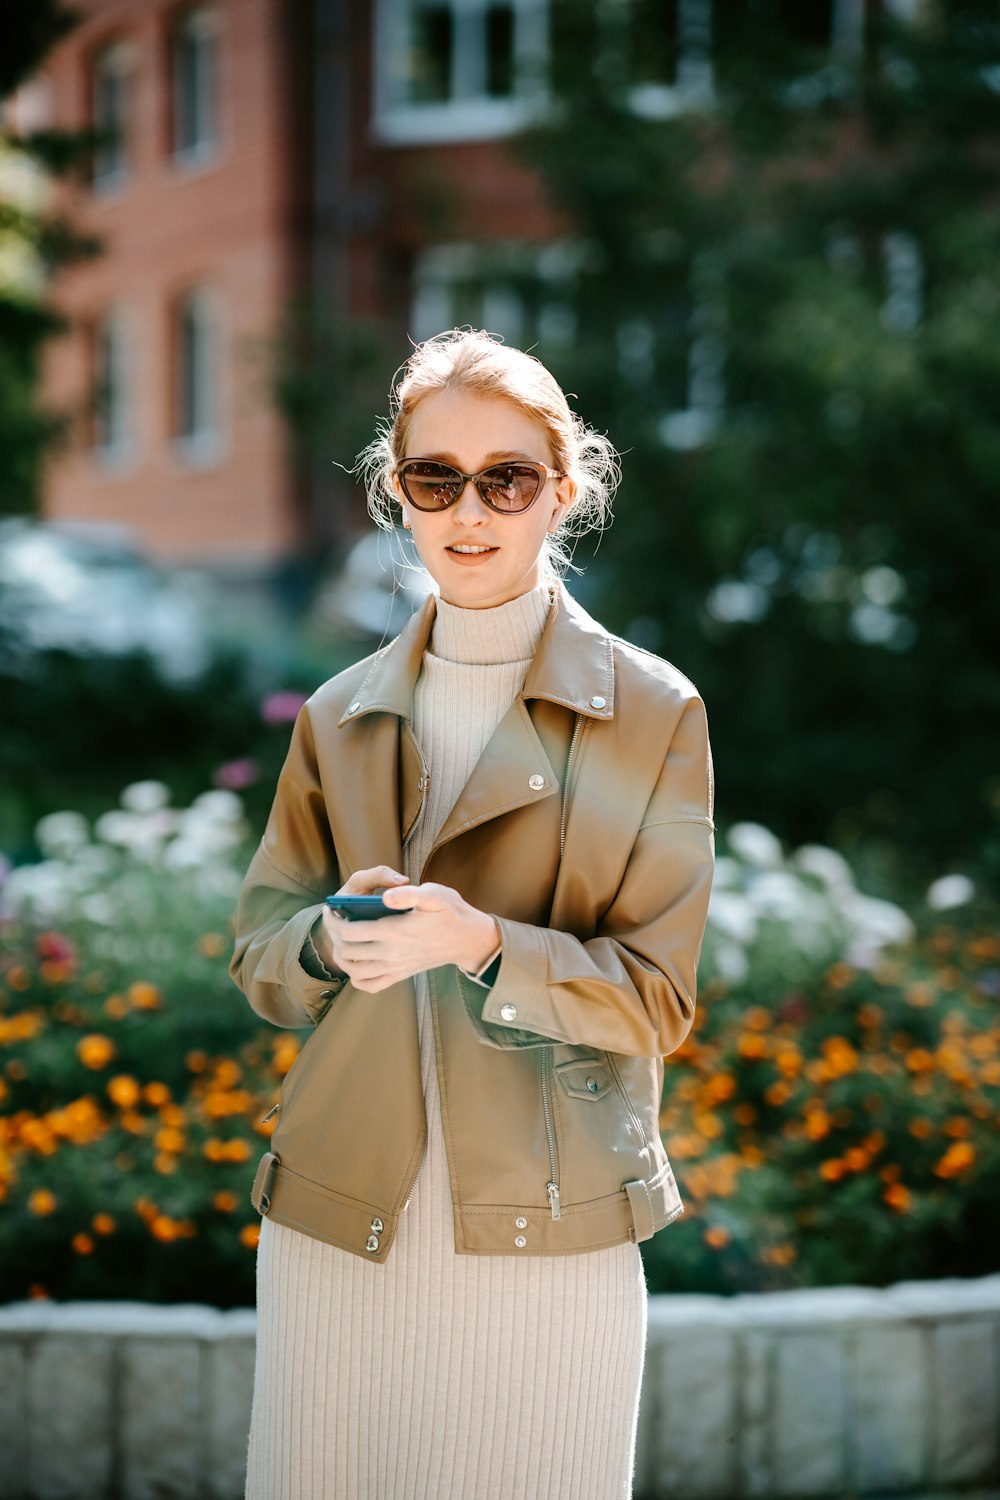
column 832, row 1116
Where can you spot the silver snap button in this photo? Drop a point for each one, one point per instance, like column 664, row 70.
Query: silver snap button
column 536, row 782
column 521, row 1222
column 592, row 1085
column 377, row 1226
column 508, row 1012
column 520, row 1241
column 598, row 702
column 371, row 1243
column 353, row 707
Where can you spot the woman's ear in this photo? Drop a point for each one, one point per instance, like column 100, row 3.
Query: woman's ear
column 566, row 489
column 401, row 502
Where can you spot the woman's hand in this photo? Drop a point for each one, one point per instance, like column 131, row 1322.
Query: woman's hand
column 361, row 883
column 435, row 926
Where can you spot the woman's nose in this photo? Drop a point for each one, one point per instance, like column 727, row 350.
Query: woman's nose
column 469, row 505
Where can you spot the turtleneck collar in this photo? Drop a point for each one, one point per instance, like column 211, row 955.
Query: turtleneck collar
column 482, row 637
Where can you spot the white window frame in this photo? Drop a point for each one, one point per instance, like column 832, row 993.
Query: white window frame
column 470, row 113
column 113, row 359
column 116, row 63
column 200, row 25
column 202, row 445
column 553, row 264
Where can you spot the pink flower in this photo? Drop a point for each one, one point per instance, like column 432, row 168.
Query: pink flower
column 281, row 708
column 234, row 775
column 54, row 945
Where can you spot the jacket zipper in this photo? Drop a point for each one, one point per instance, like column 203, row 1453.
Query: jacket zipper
column 422, row 786
column 552, row 1186
column 569, row 769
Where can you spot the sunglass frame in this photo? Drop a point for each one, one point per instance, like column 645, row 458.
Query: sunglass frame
column 542, row 471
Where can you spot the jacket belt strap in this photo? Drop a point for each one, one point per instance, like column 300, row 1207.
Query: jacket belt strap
column 260, row 1193
column 642, row 1209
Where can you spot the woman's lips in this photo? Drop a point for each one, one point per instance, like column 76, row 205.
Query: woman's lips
column 470, row 559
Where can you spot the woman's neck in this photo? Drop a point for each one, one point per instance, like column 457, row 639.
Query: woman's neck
column 505, row 632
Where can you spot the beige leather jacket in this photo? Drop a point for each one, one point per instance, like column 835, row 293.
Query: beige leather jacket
column 586, row 829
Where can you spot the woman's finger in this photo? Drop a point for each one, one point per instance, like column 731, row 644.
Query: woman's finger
column 365, row 882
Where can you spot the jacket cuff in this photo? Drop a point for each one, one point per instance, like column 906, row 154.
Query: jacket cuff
column 486, row 973
column 312, row 989
column 310, row 960
column 517, row 997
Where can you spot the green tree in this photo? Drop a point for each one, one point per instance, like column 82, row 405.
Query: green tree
column 33, row 243
column 786, row 313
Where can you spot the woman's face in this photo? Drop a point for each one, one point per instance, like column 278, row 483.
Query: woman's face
column 470, row 432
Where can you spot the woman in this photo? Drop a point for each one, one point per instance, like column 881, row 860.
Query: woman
column 451, row 1302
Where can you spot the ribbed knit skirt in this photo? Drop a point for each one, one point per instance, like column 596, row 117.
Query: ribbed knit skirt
column 438, row 1376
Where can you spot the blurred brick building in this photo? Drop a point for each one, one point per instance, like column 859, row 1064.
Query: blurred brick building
column 353, row 152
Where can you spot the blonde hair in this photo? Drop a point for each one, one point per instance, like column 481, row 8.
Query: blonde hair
column 476, row 361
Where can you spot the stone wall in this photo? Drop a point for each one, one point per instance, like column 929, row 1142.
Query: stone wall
column 842, row 1392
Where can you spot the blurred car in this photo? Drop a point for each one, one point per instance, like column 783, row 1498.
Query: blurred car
column 375, row 591
column 88, row 589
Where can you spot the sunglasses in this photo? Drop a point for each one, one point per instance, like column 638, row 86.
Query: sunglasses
column 507, row 488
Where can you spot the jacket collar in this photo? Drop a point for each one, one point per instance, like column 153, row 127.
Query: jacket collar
column 573, row 666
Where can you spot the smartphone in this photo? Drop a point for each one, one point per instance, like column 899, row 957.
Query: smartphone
column 361, row 908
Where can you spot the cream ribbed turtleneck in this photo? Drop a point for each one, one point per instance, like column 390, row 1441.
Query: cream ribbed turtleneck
column 473, row 669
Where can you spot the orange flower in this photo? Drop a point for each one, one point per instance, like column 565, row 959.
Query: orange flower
column 957, row 1158
column 227, row 1073
column 103, row 1224
column 250, row 1236
column 170, row 1139
column 752, row 1156
column 744, row 1114
column 123, row 1090
column 987, row 946
column 957, row 1126
column 870, row 1016
column 707, row 1124
column 841, row 1058
column 757, row 1018
column 164, row 1228
column 133, row 1122
column 18, row 978
column 164, row 1163
column 839, row 976
column 224, row 1201
column 919, row 1060
column 778, row 1093
column 716, row 1237
column 144, row 996
column 752, row 1045
column 779, row 1255
column 174, row 1115
column 95, row 1051
column 156, row 1094
column 286, row 1050
column 919, row 994
column 891, row 1172
column 42, row 1202
column 146, row 1209
column 898, row 1197
column 212, row 944
column 817, row 1124
column 788, row 1061
column 832, row 1170
column 116, row 1006
column 196, row 1061
column 38, row 1293
column 856, row 1158
column 83, row 1244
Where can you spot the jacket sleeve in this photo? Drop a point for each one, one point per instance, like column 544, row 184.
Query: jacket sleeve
column 274, row 962
column 630, row 989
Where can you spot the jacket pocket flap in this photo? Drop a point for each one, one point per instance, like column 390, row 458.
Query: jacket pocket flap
column 588, row 1078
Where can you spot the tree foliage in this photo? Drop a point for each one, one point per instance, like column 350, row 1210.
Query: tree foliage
column 34, row 242
column 786, row 310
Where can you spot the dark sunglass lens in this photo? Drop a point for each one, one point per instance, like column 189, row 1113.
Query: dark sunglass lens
column 510, row 486
column 430, row 486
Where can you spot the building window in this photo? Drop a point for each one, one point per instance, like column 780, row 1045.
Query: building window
column 457, row 69
column 111, row 432
column 527, row 294
column 110, row 106
column 195, row 68
column 197, row 368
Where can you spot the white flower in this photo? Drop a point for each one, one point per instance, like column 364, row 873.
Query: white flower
column 950, row 891
column 731, row 963
column 826, row 864
column 62, row 833
column 145, row 796
column 116, row 827
column 755, row 845
column 875, row 925
column 728, row 874
column 731, row 913
column 775, row 893
column 220, row 804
